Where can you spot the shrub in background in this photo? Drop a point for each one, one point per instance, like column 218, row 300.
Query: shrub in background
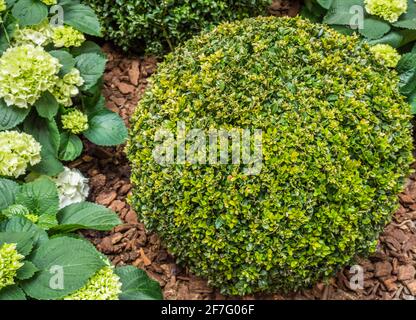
column 336, row 148
column 158, row 26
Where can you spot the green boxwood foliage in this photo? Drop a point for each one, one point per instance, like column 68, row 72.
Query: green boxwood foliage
column 336, row 148
column 161, row 25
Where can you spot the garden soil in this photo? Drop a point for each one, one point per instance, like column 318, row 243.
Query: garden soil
column 388, row 274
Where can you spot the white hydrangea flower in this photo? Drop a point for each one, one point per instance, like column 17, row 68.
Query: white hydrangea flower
column 72, row 187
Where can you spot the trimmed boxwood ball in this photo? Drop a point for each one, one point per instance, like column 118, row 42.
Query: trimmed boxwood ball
column 336, row 150
column 159, row 26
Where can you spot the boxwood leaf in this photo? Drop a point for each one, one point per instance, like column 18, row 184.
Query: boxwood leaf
column 86, row 215
column 65, row 264
column 106, row 129
column 11, row 116
column 29, row 12
column 136, row 285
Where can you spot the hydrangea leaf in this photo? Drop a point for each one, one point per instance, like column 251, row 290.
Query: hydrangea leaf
column 340, row 12
column 11, row 116
column 23, row 241
column 408, row 19
column 26, row 271
column 40, row 197
column 82, row 18
column 86, row 215
column 71, row 147
column 65, row 59
column 29, row 12
column 47, row 106
column 7, row 33
column 106, row 129
column 136, row 285
column 21, row 224
column 8, row 191
column 88, row 47
column 407, row 72
column 91, row 66
column 325, row 3
column 374, row 28
column 12, row 293
column 65, row 264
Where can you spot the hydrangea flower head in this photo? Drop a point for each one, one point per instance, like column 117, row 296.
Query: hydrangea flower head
column 39, row 35
column 72, row 187
column 25, row 73
column 386, row 55
column 20, row 210
column 10, row 262
column 389, row 10
column 17, row 152
column 75, row 122
column 67, row 36
column 104, row 285
column 3, row 5
column 50, row 2
column 67, row 87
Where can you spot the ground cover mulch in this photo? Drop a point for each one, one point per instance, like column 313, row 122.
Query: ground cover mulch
column 388, row 274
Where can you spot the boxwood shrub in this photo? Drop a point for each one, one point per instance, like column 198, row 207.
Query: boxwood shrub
column 336, row 149
column 157, row 26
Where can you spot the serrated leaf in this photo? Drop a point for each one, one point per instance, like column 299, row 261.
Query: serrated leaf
column 396, row 39
column 7, row 33
column 106, row 129
column 136, row 285
column 12, row 293
column 29, row 12
column 71, row 260
column 21, row 224
column 374, row 28
column 26, row 271
column 8, row 191
column 341, row 13
column 408, row 19
column 23, row 241
column 325, row 3
column 82, row 18
column 65, row 59
column 40, row 196
column 407, row 73
column 11, row 116
column 91, row 67
column 71, row 147
column 86, row 215
column 88, row 47
column 47, row 106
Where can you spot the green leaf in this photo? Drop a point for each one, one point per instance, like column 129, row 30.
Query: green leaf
column 136, row 285
column 21, row 224
column 408, row 19
column 71, row 260
column 65, row 59
column 325, row 3
column 12, row 293
column 24, row 242
column 340, row 12
column 86, row 215
column 91, row 66
column 88, row 47
column 396, row 39
column 82, row 18
column 47, row 106
column 407, row 73
column 40, row 196
column 11, row 116
column 47, row 134
column 412, row 101
column 6, row 32
column 29, row 12
column 71, row 147
column 374, row 28
column 26, row 271
column 106, row 129
column 8, row 191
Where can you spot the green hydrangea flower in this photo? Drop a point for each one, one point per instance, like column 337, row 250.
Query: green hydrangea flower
column 67, row 87
column 20, row 210
column 39, row 35
column 3, row 5
column 25, row 73
column 17, row 151
column 67, row 36
column 386, row 54
column 104, row 285
column 10, row 262
column 75, row 121
column 389, row 10
column 50, row 2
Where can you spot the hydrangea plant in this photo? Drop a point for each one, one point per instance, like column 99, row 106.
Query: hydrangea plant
column 50, row 82
column 385, row 24
column 72, row 187
column 10, row 262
